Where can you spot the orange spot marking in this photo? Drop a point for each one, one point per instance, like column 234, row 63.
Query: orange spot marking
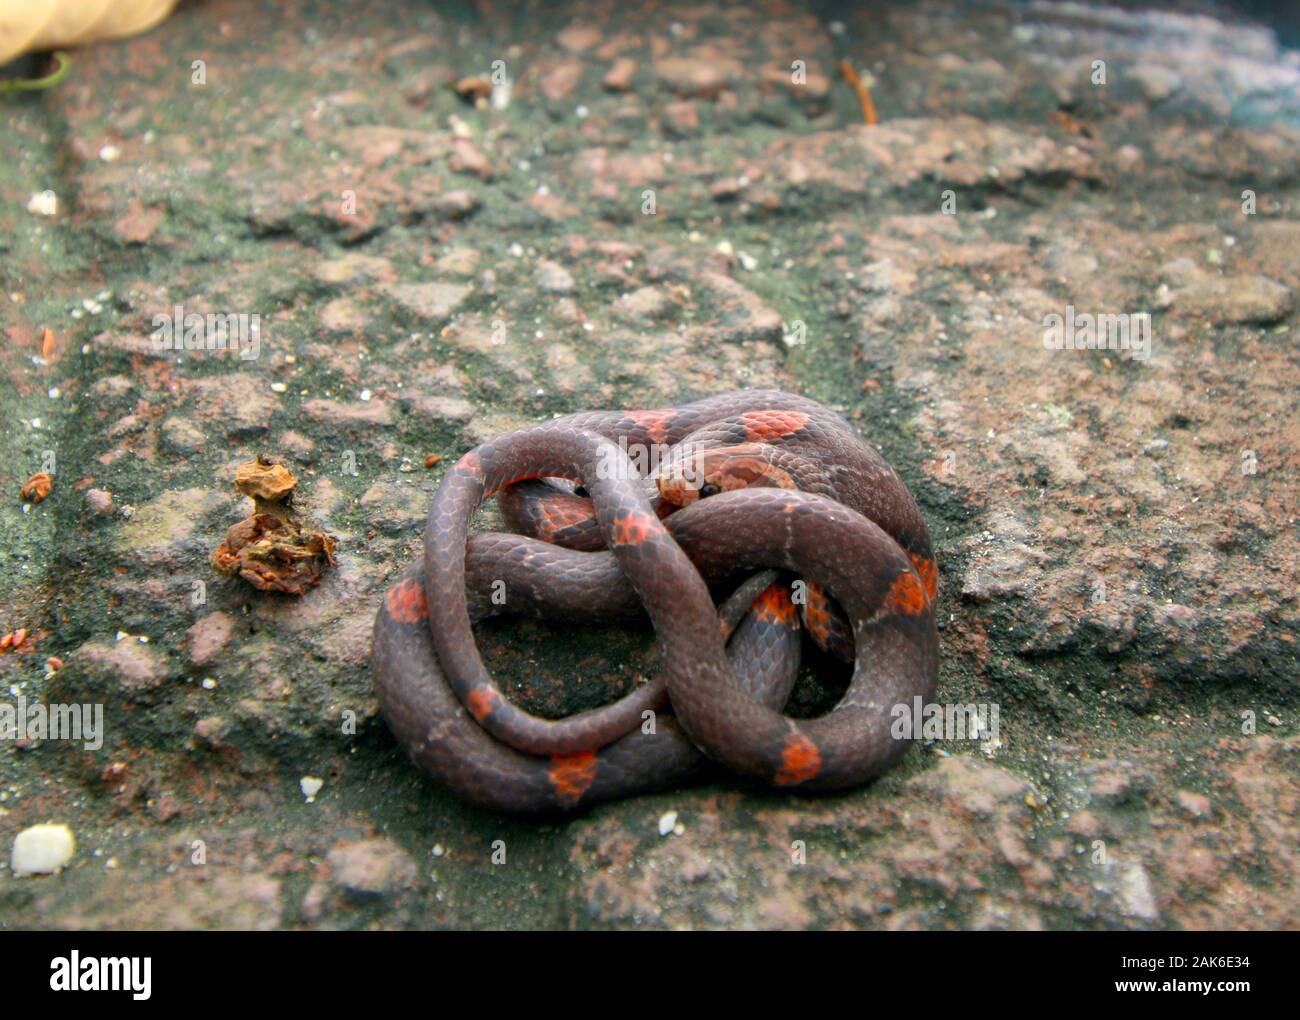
column 470, row 463
column 406, row 602
column 572, row 774
column 656, row 423
column 907, row 595
column 632, row 527
column 560, row 512
column 817, row 611
column 765, row 426
column 774, row 606
column 482, row 701
column 929, row 571
column 800, row 761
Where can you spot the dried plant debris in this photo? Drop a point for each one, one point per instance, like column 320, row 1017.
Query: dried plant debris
column 273, row 555
column 37, row 487
column 859, row 86
column 262, row 479
column 474, row 89
column 270, row 550
column 13, row 640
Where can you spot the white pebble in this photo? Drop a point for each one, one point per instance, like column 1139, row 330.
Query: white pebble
column 310, row 786
column 42, row 850
column 667, row 822
column 43, row 203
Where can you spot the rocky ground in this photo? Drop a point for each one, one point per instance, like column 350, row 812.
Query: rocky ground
column 653, row 212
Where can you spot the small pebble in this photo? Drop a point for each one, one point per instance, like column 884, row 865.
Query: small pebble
column 42, row 850
column 43, row 203
column 100, row 501
column 310, row 786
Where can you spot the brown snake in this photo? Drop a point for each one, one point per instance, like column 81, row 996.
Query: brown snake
column 745, row 481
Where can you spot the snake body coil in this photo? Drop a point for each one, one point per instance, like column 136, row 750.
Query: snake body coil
column 743, row 483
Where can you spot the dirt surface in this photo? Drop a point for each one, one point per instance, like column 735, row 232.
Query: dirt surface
column 1116, row 534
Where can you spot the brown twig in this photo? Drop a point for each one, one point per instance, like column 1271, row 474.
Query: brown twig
column 864, row 97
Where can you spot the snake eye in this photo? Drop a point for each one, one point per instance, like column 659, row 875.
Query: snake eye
column 581, row 491
column 708, row 489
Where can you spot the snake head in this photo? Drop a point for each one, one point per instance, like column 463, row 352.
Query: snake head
column 696, row 475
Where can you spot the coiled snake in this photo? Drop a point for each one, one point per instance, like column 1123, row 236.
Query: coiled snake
column 736, row 486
